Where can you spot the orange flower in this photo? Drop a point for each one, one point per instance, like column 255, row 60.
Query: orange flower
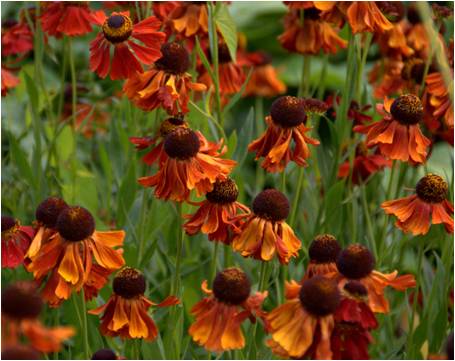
column 365, row 16
column 312, row 36
column 265, row 231
column 398, row 134
column 264, row 81
column 356, row 262
column 67, row 18
column 125, row 313
column 302, row 326
column 46, row 215
column 190, row 19
column 364, row 166
column 9, row 81
column 15, row 241
column 323, row 253
column 119, row 31
column 428, row 206
column 219, row 317
column 285, row 123
column 21, row 306
column 187, row 167
column 217, row 215
column 17, row 38
column 166, row 84
column 231, row 75
column 439, row 99
column 67, row 256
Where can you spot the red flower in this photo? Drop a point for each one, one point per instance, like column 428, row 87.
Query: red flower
column 217, row 215
column 349, row 341
column 15, row 241
column 398, row 134
column 167, row 84
column 428, row 206
column 9, row 81
column 119, row 31
column 365, row 165
column 17, row 39
column 67, row 18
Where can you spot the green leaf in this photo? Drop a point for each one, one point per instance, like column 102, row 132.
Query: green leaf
column 32, row 93
column 247, row 134
column 65, row 144
column 20, row 159
column 232, row 143
column 226, row 25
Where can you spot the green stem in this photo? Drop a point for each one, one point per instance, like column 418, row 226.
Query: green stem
column 73, row 119
column 142, row 228
column 227, row 256
column 305, row 77
column 85, row 325
column 213, row 265
column 363, row 60
column 178, row 256
column 366, row 211
column 295, row 201
column 259, row 115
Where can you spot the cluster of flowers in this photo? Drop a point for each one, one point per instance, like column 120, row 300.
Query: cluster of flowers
column 330, row 313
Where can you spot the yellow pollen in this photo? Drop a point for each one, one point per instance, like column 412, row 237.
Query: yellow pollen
column 117, row 28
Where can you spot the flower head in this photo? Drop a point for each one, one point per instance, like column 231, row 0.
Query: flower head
column 302, row 326
column 189, row 19
column 72, row 18
column 429, row 205
column 104, row 354
column 217, row 215
column 167, row 84
column 285, row 123
column 366, row 17
column 67, row 257
column 186, row 167
column 16, row 240
column 218, row 317
column 17, row 38
column 265, row 231
column 398, row 134
column 133, row 44
column 9, row 81
column 356, row 262
column 323, row 252
column 125, row 313
column 21, row 307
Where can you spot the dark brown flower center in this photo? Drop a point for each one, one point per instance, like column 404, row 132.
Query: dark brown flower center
column 75, row 224
column 319, row 296
column 355, row 289
column 8, row 223
column 312, row 14
column 288, row 111
column 170, row 124
column 224, row 191
column 413, row 15
column 407, row 109
column 231, row 286
column 175, row 59
column 129, row 283
column 271, row 204
column 355, row 261
column 413, row 69
column 21, row 301
column 314, row 106
column 432, row 188
column 104, row 354
column 117, row 28
column 324, row 249
column 182, row 143
column 223, row 53
column 48, row 211
column 20, row 352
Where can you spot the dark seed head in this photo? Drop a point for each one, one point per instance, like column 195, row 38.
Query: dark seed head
column 231, row 286
column 319, row 296
column 407, row 109
column 449, row 346
column 21, row 301
column 271, row 204
column 224, row 191
column 75, row 224
column 8, row 223
column 129, row 283
column 20, row 352
column 182, row 143
column 104, row 354
column 288, row 111
column 324, row 249
column 413, row 15
column 312, row 14
column 432, row 188
column 48, row 211
column 117, row 28
column 175, row 59
column 170, row 124
column 355, row 261
column 223, row 53
column 355, row 289
column 314, row 106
